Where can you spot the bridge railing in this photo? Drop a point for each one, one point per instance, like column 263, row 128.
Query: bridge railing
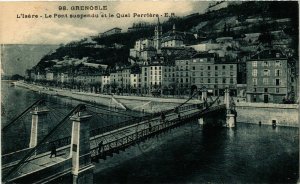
column 125, row 141
column 102, row 130
column 14, row 156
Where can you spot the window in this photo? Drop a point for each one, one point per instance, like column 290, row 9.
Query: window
column 231, row 67
column 266, row 72
column 216, row 74
column 216, row 67
column 254, row 72
column 216, row 80
column 201, row 67
column 277, row 90
column 193, row 74
column 231, row 73
column 201, row 80
column 254, row 89
column 201, row 73
column 277, row 63
column 208, row 80
column 254, row 81
column 277, row 72
column 266, row 90
column 186, row 80
column 265, row 63
column 194, row 68
column 265, row 81
column 231, row 80
column 277, row 82
column 254, row 64
column 208, row 74
column 224, row 80
column 224, row 67
column 208, row 67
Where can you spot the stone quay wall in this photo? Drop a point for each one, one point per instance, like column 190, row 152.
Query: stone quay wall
column 283, row 114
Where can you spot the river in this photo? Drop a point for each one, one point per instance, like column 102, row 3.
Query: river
column 189, row 154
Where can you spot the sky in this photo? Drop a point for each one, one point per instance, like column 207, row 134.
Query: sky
column 27, row 40
column 43, row 30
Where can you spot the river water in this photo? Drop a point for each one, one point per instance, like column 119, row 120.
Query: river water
column 189, row 154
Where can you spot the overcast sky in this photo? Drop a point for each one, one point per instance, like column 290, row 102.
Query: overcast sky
column 56, row 31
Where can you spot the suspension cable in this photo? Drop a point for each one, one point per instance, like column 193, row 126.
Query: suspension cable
column 51, row 133
column 21, row 115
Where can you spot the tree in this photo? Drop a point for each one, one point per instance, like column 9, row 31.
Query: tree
column 17, row 77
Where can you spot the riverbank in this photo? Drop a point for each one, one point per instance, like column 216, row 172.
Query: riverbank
column 281, row 114
column 135, row 103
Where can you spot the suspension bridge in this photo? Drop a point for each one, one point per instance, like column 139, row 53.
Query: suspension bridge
column 86, row 133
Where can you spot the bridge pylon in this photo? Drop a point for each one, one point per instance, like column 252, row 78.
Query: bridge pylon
column 82, row 167
column 230, row 117
column 38, row 114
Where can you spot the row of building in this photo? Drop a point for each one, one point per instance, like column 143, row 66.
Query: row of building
column 271, row 77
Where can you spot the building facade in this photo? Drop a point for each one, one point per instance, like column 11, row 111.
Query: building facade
column 269, row 77
column 214, row 76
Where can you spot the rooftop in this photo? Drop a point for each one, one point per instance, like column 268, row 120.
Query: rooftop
column 269, row 54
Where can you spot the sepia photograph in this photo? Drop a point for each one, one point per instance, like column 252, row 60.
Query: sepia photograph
column 142, row 91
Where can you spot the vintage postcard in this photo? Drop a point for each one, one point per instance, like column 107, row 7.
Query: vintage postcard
column 149, row 91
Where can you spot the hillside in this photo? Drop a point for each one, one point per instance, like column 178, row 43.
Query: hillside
column 25, row 55
column 235, row 20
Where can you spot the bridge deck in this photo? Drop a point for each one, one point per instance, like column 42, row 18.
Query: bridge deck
column 121, row 138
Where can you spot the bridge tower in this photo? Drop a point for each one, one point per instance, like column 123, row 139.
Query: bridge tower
column 82, row 168
column 38, row 114
column 230, row 117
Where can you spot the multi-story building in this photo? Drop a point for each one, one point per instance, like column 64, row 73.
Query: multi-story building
column 172, row 39
column 215, row 76
column 269, row 77
column 88, row 78
column 105, row 82
column 182, row 75
column 49, row 75
column 168, row 79
column 135, row 82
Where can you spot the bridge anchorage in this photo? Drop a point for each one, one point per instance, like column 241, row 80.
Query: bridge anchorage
column 75, row 153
